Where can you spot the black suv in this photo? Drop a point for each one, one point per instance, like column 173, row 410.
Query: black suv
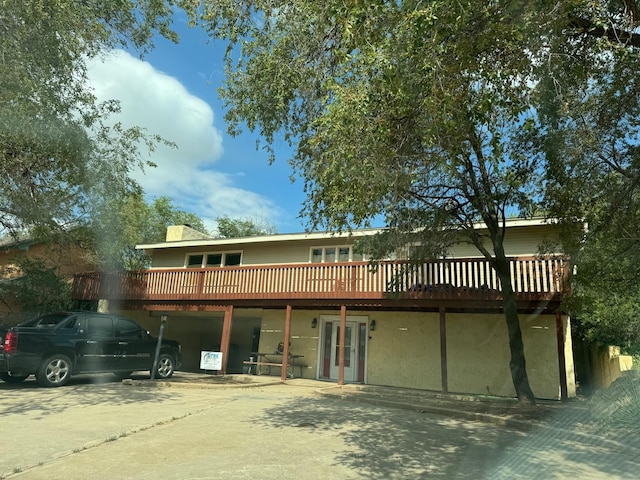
column 57, row 345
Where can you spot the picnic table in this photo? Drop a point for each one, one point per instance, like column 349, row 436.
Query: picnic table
column 260, row 363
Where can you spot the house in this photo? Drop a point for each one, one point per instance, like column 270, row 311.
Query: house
column 63, row 258
column 437, row 327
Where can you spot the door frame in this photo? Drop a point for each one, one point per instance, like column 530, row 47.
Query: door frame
column 361, row 339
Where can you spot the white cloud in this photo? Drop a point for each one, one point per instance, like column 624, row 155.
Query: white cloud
column 161, row 104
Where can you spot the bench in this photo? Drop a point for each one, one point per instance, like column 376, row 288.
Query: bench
column 258, row 371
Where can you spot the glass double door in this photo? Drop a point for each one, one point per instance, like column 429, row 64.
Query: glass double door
column 353, row 348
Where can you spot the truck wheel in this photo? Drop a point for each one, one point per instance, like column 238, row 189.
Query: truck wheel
column 55, row 371
column 166, row 366
column 11, row 378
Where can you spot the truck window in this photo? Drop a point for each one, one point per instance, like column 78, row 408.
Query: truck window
column 71, row 322
column 100, row 326
column 127, row 328
column 46, row 321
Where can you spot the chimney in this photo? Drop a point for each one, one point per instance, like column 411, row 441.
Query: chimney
column 176, row 233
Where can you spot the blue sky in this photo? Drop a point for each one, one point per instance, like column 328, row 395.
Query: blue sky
column 172, row 92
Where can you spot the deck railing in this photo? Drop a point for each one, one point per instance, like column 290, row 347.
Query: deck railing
column 448, row 278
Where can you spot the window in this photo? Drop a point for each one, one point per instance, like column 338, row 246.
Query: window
column 208, row 260
column 329, row 255
column 194, row 261
column 49, row 320
column 127, row 328
column 334, row 254
column 71, row 322
column 214, row 260
column 100, row 327
column 232, row 259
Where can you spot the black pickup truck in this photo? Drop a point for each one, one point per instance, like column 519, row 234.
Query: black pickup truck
column 57, row 345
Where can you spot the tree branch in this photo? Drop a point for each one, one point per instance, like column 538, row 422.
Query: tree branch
column 583, row 26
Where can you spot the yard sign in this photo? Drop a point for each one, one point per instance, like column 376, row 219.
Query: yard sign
column 211, row 360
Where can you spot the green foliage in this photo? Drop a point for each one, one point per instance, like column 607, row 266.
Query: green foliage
column 616, row 410
column 589, row 129
column 436, row 116
column 121, row 224
column 242, row 227
column 38, row 288
column 389, row 116
column 415, row 112
column 59, row 156
column 606, row 297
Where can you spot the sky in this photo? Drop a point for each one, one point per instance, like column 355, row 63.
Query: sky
column 172, row 92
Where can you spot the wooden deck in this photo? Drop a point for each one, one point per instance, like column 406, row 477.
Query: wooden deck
column 450, row 279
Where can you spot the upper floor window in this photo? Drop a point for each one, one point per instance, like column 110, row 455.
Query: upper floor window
column 206, row 260
column 334, row 254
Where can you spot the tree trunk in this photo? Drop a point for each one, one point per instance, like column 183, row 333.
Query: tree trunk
column 517, row 363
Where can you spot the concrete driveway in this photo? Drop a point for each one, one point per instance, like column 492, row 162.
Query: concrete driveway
column 110, row 430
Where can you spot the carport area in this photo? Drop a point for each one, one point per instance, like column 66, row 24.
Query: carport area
column 203, row 331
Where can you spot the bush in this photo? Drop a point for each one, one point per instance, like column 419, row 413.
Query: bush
column 616, row 410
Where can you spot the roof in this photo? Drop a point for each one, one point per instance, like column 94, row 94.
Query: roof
column 290, row 237
column 284, row 237
column 21, row 242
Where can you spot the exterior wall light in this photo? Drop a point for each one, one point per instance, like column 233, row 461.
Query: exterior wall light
column 314, row 323
column 372, row 325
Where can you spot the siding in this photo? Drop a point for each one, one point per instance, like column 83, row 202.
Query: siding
column 252, row 254
column 520, row 241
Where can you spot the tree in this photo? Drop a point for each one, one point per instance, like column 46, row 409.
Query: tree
column 123, row 223
column 606, row 297
column 37, row 287
column 434, row 115
column 58, row 155
column 239, row 227
column 416, row 112
column 37, row 283
column 589, row 130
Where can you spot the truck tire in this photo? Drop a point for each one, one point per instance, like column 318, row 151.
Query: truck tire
column 166, row 366
column 11, row 378
column 54, row 371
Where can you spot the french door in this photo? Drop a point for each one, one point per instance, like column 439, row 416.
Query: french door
column 354, row 348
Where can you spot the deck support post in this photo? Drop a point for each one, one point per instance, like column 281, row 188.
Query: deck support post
column 225, row 341
column 562, row 365
column 343, row 335
column 285, row 349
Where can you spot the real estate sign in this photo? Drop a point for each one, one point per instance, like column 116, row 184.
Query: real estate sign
column 210, row 360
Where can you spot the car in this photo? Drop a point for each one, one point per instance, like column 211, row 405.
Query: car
column 57, row 345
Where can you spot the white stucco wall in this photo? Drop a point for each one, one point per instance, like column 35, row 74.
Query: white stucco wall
column 404, row 350
column 304, row 338
column 478, row 355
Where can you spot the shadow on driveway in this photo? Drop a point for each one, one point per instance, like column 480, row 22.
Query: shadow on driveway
column 394, row 443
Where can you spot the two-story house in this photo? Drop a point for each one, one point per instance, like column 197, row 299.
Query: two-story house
column 437, row 327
